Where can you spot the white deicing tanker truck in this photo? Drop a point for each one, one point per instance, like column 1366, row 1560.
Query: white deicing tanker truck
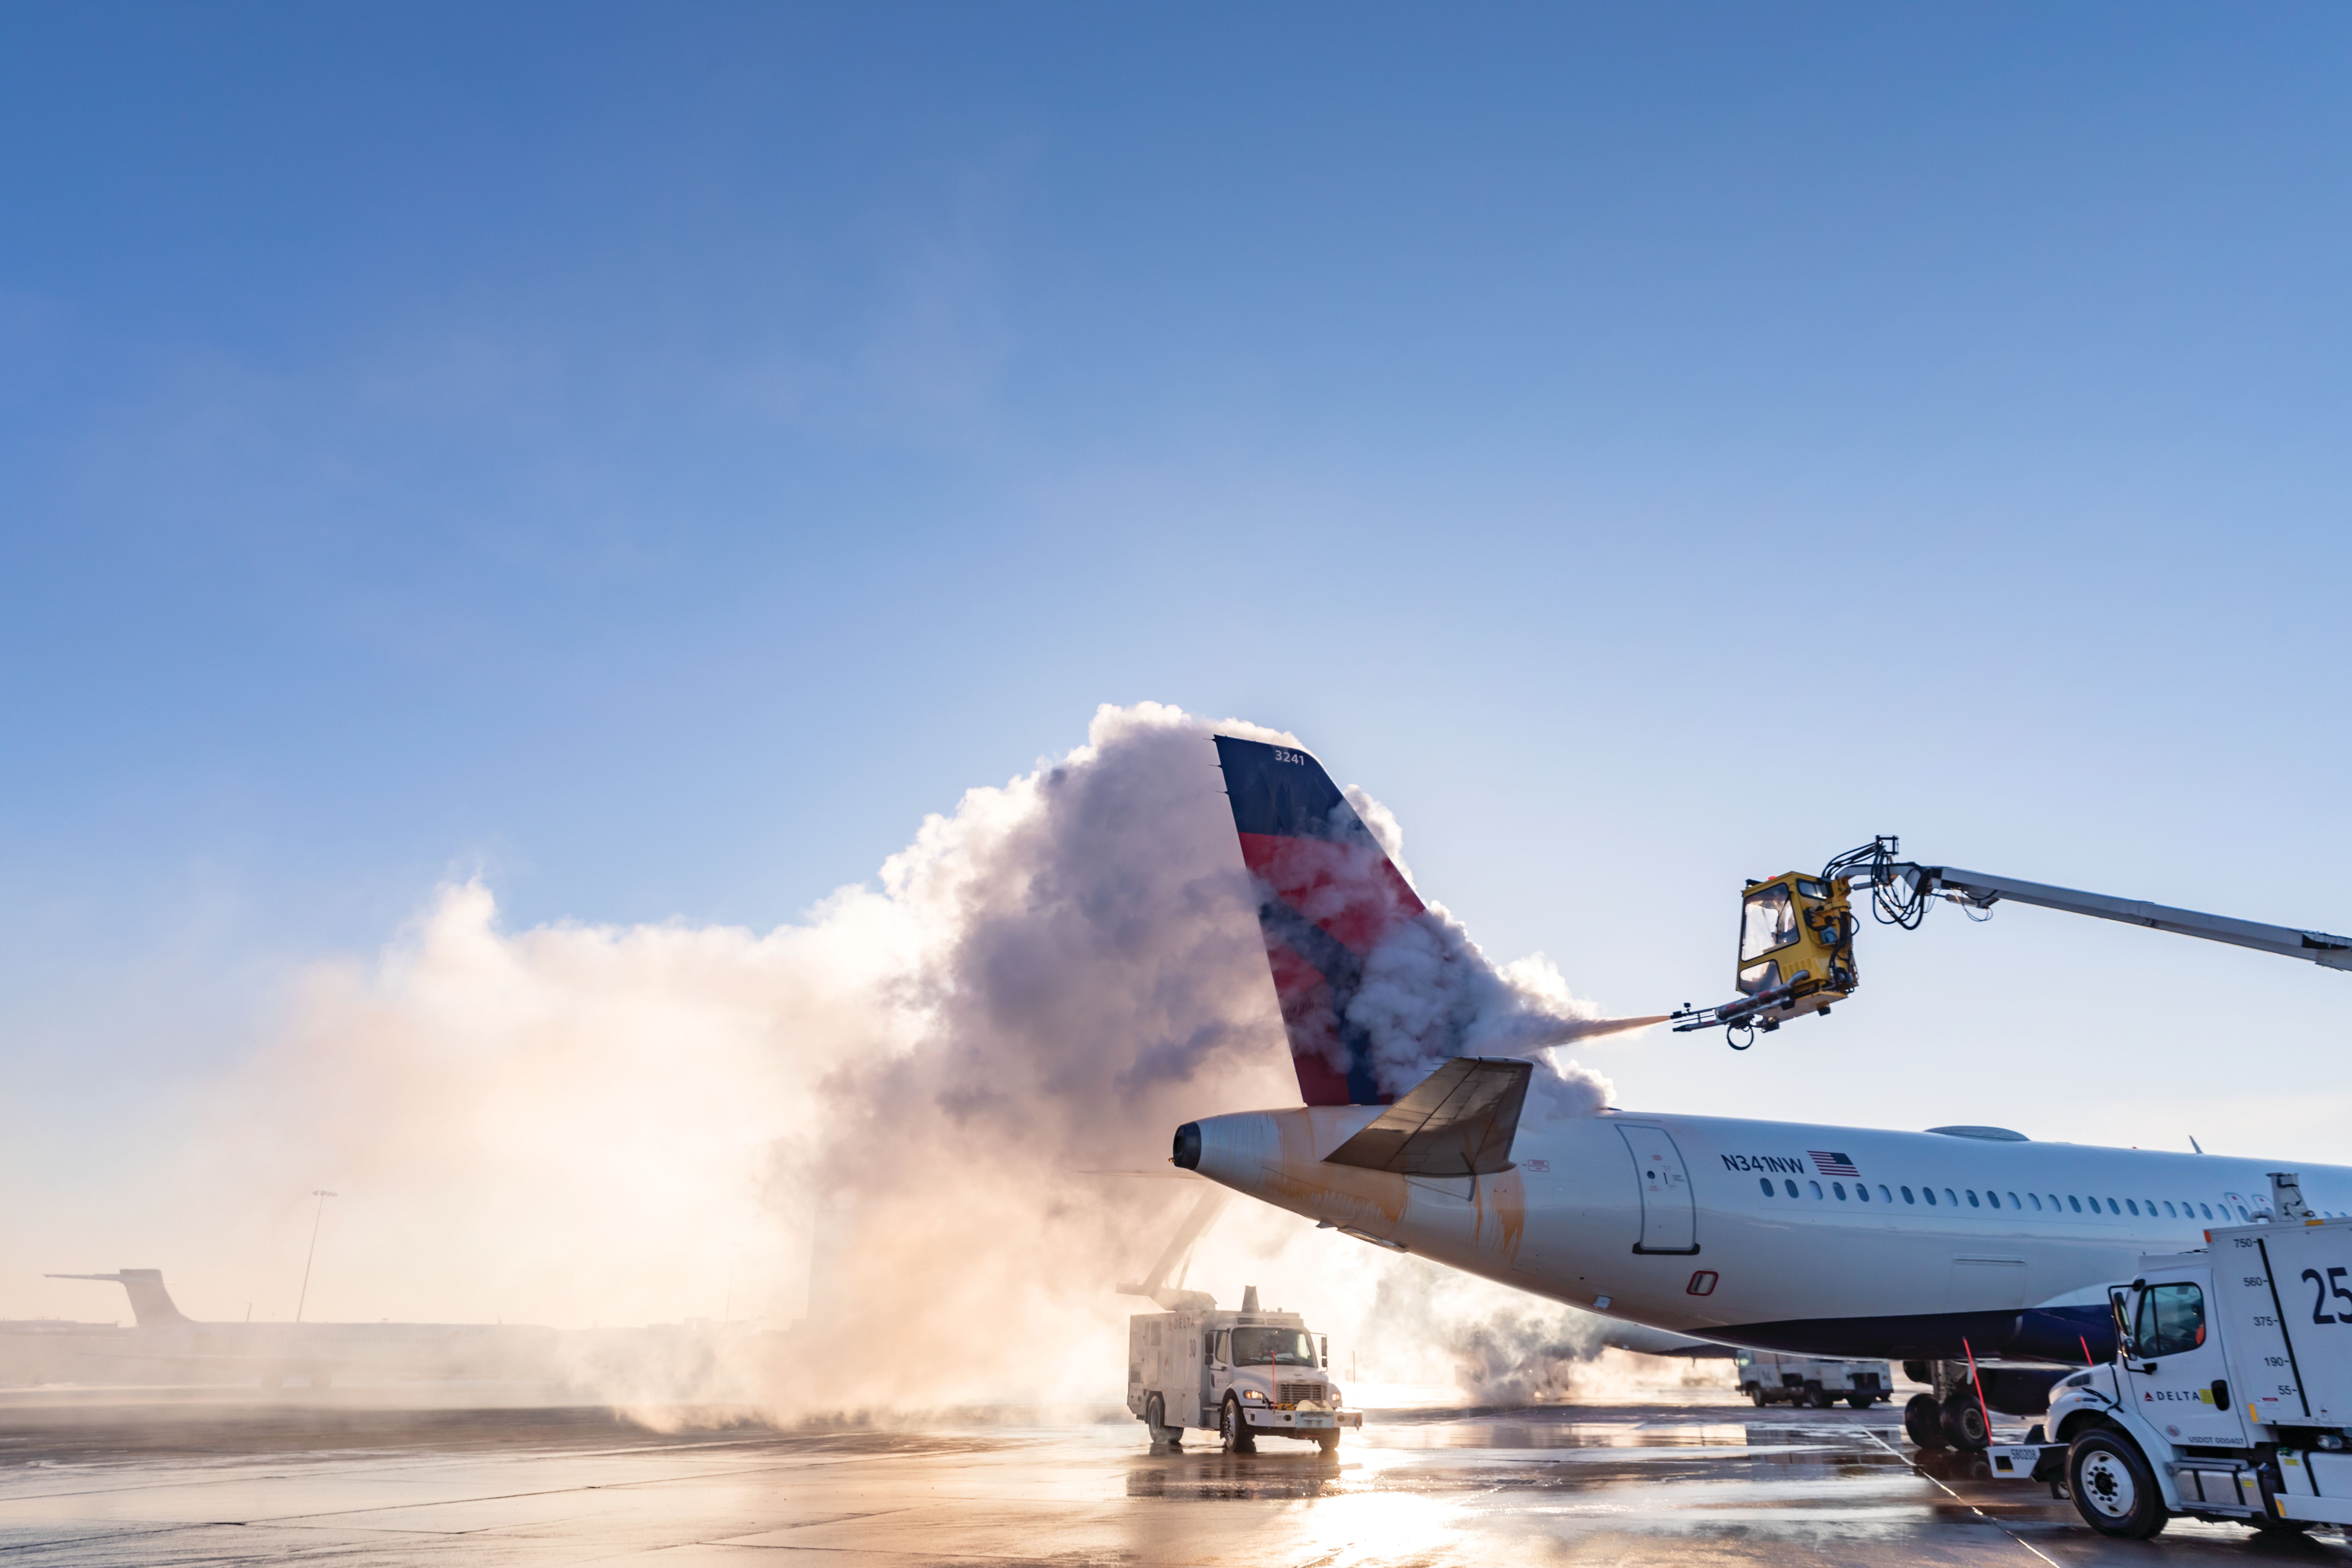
column 2231, row 1394
column 1245, row 1375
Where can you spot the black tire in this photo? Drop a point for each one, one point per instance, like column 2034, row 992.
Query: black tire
column 1923, row 1421
column 1857, row 1401
column 1233, row 1431
column 1155, row 1419
column 1819, row 1398
column 2113, row 1489
column 1328, row 1441
column 1756, row 1395
column 1964, row 1424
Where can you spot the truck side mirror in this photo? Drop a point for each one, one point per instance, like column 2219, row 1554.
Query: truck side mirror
column 2124, row 1345
column 1326, row 1362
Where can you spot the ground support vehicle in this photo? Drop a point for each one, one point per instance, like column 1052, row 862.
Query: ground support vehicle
column 1768, row 1378
column 1244, row 1376
column 2231, row 1394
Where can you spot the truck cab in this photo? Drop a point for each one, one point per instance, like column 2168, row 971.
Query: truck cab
column 1243, row 1375
column 2229, row 1396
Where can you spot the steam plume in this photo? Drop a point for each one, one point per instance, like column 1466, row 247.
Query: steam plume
column 571, row 1123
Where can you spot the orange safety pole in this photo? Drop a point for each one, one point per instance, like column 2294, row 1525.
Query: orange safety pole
column 1979, row 1383
column 2086, row 1351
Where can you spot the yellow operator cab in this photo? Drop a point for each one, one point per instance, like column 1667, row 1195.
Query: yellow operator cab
column 1796, row 947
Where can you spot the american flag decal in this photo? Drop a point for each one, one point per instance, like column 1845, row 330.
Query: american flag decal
column 1832, row 1164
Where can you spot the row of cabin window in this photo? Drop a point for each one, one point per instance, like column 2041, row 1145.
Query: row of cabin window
column 1862, row 1191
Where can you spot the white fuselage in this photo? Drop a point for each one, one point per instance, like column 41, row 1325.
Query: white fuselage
column 1736, row 1231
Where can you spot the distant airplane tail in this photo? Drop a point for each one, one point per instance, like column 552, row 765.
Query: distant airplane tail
column 151, row 1304
column 1165, row 1283
column 1327, row 896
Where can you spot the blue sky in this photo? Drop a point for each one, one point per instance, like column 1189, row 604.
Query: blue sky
column 653, row 455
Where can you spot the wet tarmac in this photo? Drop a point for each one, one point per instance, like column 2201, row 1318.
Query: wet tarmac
column 118, row 1482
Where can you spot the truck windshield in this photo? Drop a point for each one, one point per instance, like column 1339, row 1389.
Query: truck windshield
column 2171, row 1320
column 1283, row 1347
column 1767, row 920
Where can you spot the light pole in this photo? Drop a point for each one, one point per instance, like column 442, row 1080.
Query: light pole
column 322, row 1195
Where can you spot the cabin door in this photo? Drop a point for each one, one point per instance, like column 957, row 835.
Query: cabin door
column 1669, row 1220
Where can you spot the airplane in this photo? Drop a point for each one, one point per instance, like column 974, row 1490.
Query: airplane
column 1945, row 1249
column 319, row 1352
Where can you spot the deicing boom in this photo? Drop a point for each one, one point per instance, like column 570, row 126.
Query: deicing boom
column 1797, row 932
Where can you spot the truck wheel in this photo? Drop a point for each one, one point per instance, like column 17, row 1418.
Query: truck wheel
column 1155, row 1421
column 1756, row 1395
column 1964, row 1425
column 2114, row 1491
column 1857, row 1402
column 1817, row 1396
column 1923, row 1421
column 1235, row 1432
column 1328, row 1441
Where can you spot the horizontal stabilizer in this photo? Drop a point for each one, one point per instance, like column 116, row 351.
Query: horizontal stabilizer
column 1457, row 1122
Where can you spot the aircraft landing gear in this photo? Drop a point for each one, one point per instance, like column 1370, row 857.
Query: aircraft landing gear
column 1964, row 1424
column 1951, row 1417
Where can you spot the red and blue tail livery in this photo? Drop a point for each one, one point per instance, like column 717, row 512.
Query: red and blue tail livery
column 1328, row 894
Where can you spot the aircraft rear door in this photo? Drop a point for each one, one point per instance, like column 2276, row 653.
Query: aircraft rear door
column 1669, row 1219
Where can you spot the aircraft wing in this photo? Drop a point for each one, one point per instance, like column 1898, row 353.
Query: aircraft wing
column 1621, row 1335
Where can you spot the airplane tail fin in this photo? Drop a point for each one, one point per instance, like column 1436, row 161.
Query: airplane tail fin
column 151, row 1304
column 1329, row 895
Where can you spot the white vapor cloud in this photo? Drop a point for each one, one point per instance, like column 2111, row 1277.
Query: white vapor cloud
column 914, row 1085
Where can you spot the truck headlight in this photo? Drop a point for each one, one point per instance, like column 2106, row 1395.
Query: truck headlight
column 1253, row 1393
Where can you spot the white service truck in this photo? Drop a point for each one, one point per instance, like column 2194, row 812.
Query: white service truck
column 1245, row 1375
column 2231, row 1394
column 1767, row 1377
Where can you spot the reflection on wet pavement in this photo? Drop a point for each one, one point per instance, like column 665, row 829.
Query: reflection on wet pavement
column 1629, row 1484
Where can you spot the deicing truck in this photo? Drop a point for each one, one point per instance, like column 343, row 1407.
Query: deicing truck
column 1766, row 1377
column 2231, row 1394
column 1245, row 1375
